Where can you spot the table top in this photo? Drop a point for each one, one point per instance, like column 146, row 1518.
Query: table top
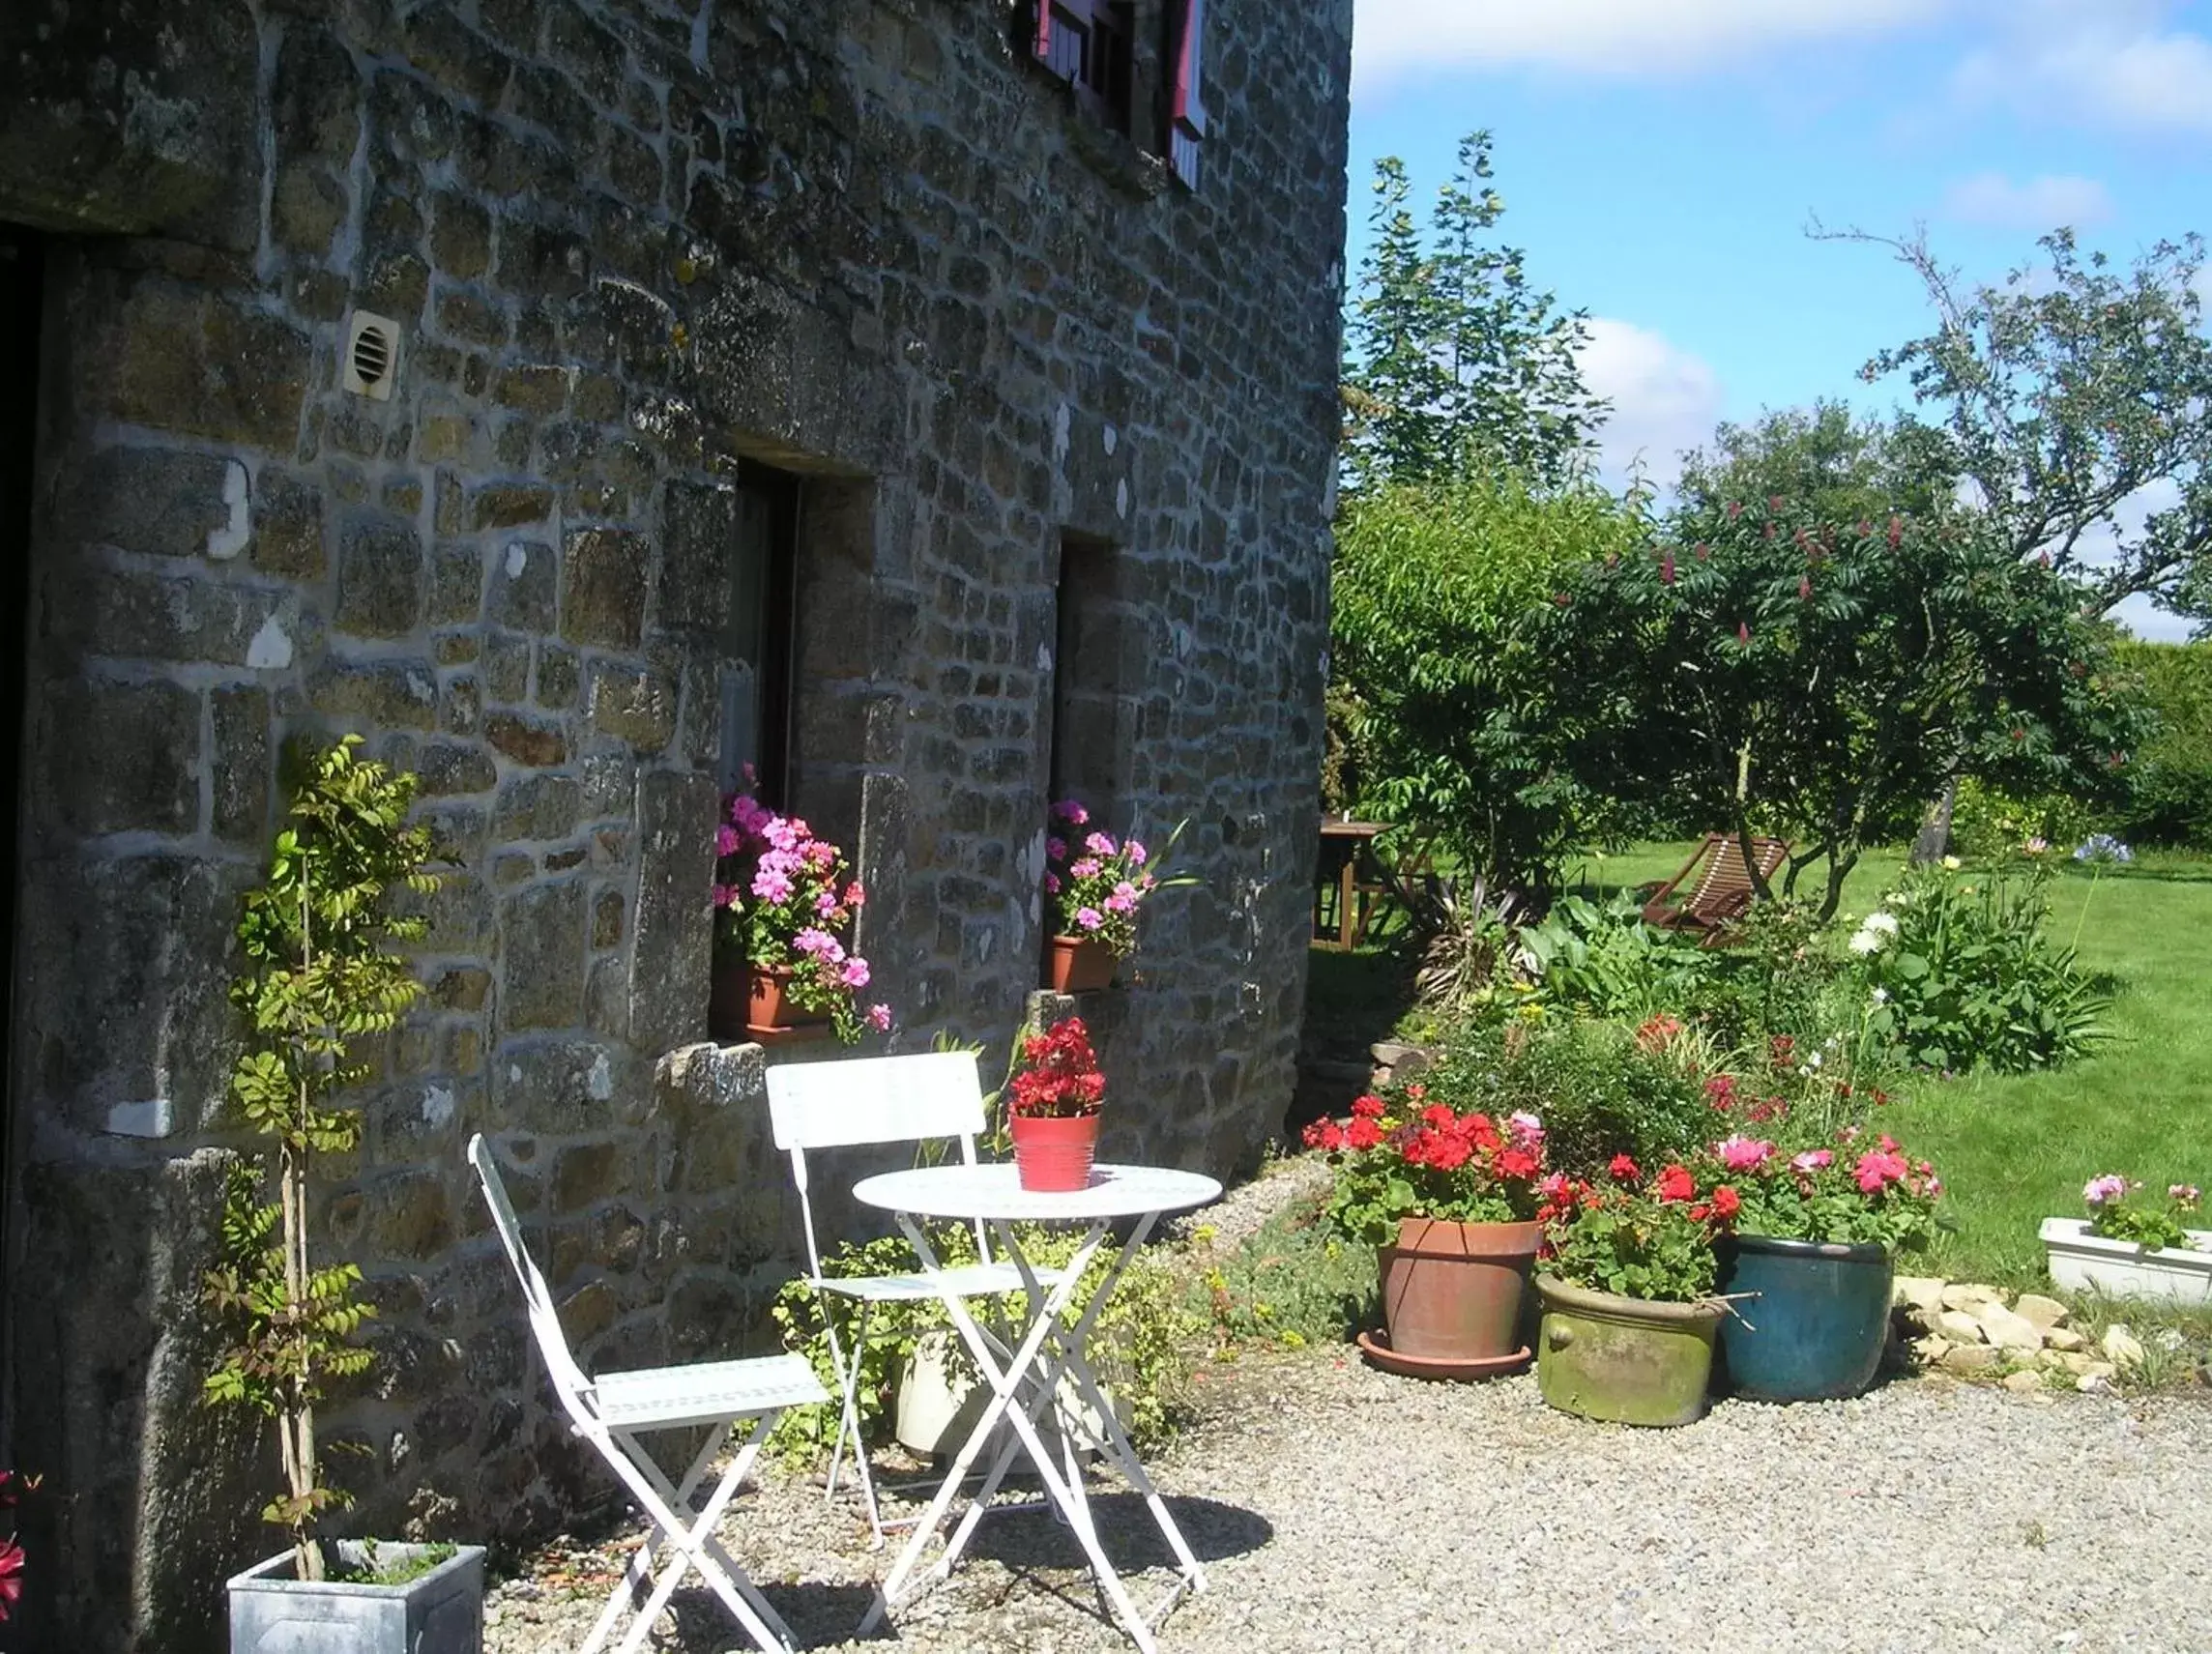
column 1353, row 829
column 995, row 1193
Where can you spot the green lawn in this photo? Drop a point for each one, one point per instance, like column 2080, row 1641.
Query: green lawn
column 2017, row 1148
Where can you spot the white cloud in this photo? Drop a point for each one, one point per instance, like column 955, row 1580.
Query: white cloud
column 1612, row 37
column 2044, row 203
column 1665, row 399
column 2111, row 63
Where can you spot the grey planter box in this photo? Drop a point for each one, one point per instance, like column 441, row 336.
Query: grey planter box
column 442, row 1612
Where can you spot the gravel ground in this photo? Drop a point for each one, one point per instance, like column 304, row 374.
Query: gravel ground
column 1340, row 1508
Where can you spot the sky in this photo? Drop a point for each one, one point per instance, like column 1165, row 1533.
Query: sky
column 1661, row 162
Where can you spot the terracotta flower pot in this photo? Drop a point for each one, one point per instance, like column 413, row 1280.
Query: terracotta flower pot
column 1624, row 1361
column 1052, row 1154
column 1451, row 1291
column 749, row 1004
column 1080, row 964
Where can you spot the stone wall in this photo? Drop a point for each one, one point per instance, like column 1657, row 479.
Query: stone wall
column 631, row 243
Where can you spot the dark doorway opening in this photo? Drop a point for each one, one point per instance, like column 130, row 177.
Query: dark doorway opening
column 22, row 289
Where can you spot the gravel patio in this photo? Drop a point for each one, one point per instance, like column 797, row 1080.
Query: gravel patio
column 1336, row 1507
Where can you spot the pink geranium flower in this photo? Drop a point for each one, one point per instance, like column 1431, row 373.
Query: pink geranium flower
column 728, row 841
column 1087, row 868
column 1071, row 812
column 854, row 974
column 1057, row 849
column 1136, row 852
column 856, row 895
column 1876, row 1171
column 1742, row 1153
column 1813, row 1160
column 880, row 1018
column 770, row 885
column 1098, row 844
column 2110, row 1187
column 1090, row 918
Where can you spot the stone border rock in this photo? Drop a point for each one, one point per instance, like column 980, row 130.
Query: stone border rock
column 1976, row 1331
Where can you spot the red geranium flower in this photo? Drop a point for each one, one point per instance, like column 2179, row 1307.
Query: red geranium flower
column 1364, row 1133
column 1726, row 1202
column 1516, row 1163
column 1675, row 1183
column 1368, row 1106
column 1625, row 1170
column 11, row 1575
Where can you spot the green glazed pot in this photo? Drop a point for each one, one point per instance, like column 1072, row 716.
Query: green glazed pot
column 1624, row 1361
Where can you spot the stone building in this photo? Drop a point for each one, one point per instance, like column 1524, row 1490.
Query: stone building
column 934, row 407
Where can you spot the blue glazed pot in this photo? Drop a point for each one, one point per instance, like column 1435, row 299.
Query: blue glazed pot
column 1817, row 1327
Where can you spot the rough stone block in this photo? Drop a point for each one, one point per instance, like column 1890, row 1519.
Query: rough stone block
column 631, row 704
column 457, row 583
column 158, row 502
column 380, row 578
column 669, row 970
column 197, row 362
column 120, row 757
column 448, row 767
column 541, row 957
column 287, row 518
column 603, row 588
column 558, row 1087
column 536, row 742
column 698, row 556
column 508, row 504
column 126, row 614
column 537, row 807
column 386, row 695
column 241, row 764
column 524, row 586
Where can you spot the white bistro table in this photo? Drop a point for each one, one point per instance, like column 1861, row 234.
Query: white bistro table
column 1025, row 1372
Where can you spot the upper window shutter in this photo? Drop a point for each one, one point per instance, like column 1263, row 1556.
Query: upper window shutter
column 1186, row 110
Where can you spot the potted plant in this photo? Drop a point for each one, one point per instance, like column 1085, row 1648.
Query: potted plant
column 1812, row 1256
column 1629, row 1311
column 1052, row 1099
column 2127, row 1250
column 1449, row 1203
column 784, row 905
column 319, row 981
column 1094, row 887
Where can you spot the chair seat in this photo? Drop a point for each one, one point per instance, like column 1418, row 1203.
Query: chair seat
column 966, row 1281
column 662, row 1397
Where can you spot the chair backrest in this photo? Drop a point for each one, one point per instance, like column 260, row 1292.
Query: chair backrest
column 1727, row 885
column 863, row 1100
column 568, row 1380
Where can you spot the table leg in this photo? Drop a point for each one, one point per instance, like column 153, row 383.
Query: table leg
column 1346, row 892
column 1003, row 1387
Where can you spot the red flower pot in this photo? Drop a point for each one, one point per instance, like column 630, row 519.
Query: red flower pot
column 1452, row 1291
column 1052, row 1154
column 750, row 1003
column 1079, row 964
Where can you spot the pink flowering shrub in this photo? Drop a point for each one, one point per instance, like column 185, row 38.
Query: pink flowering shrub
column 785, row 898
column 1095, row 883
column 2115, row 1214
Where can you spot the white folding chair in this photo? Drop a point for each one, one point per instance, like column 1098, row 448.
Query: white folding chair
column 613, row 1410
column 929, row 1097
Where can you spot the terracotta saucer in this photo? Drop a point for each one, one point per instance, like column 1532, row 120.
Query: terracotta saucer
column 1376, row 1347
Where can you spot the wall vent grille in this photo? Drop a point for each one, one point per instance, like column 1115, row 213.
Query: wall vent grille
column 371, row 360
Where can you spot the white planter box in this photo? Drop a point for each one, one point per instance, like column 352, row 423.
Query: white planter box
column 2090, row 1263
column 934, row 1411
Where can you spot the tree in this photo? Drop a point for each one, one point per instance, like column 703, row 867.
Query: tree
column 2062, row 394
column 319, row 981
column 1460, row 704
column 1453, row 360
column 1767, row 671
column 1838, row 464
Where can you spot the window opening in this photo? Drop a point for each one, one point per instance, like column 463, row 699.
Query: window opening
column 758, row 635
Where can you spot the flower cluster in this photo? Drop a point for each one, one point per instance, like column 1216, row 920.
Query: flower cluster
column 1846, row 1192
column 785, row 900
column 2114, row 1216
column 1095, row 882
column 1638, row 1238
column 1408, row 1157
column 13, row 1487
column 1058, row 1077
column 2101, row 847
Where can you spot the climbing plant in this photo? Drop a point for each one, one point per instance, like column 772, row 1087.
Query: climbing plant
column 321, row 981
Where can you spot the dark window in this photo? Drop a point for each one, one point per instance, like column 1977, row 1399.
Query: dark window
column 1186, row 106
column 1088, row 44
column 1092, row 722
column 757, row 635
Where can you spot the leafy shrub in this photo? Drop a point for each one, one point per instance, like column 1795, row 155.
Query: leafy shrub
column 1988, row 824
column 1597, row 1089
column 1137, row 1344
column 2170, row 798
column 1965, row 977
column 1608, row 962
column 1845, row 1190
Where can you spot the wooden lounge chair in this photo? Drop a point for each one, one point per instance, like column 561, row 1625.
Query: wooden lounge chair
column 1720, row 885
